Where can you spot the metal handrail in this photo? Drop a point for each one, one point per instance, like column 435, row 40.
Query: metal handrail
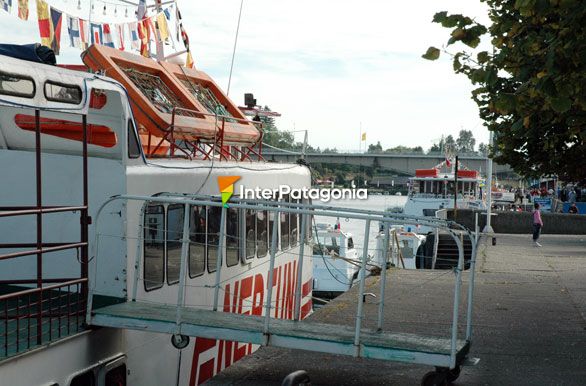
column 304, row 210
column 41, row 289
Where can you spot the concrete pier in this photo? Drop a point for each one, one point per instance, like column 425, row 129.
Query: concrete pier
column 529, row 322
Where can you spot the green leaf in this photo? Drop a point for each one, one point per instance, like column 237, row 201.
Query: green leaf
column 431, row 54
column 561, row 104
column 482, row 57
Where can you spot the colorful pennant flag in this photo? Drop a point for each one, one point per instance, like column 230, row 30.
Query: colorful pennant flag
column 107, row 36
column 6, row 5
column 189, row 60
column 120, row 28
column 84, row 34
column 143, row 35
column 96, row 33
column 73, row 31
column 23, row 9
column 134, row 38
column 56, row 19
column 142, row 10
column 181, row 30
column 44, row 20
column 162, row 26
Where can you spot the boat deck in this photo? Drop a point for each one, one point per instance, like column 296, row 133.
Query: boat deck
column 304, row 335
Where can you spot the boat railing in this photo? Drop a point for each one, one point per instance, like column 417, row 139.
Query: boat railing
column 36, row 316
column 33, row 313
column 176, row 323
column 206, row 148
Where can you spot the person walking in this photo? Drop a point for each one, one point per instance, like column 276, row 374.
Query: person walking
column 537, row 224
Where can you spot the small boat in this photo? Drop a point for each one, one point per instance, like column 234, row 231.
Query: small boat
column 404, row 248
column 433, row 189
column 335, row 262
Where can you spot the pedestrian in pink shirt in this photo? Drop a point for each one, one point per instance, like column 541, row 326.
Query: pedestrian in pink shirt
column 537, row 224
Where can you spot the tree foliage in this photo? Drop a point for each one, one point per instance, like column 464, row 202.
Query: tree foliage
column 531, row 87
column 465, row 142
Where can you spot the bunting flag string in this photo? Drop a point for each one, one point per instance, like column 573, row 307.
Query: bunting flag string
column 134, row 35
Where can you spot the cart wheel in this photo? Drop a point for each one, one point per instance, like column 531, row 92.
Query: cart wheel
column 451, row 374
column 434, row 378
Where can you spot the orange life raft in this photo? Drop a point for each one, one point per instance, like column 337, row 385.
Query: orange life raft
column 162, row 101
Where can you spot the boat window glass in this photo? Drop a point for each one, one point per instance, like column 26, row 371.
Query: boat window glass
column 232, row 236
column 85, row 379
column 175, row 213
column 293, row 221
column 154, row 247
column 213, row 236
column 116, row 376
column 250, row 233
column 429, row 212
column 61, row 92
column 262, row 235
column 16, row 85
column 309, row 226
column 285, row 227
column 133, row 146
column 197, row 240
column 271, row 225
column 350, row 243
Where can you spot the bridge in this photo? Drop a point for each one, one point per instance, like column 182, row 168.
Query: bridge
column 399, row 163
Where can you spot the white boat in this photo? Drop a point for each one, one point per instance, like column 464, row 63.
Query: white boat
column 434, row 189
column 52, row 187
column 403, row 249
column 335, row 261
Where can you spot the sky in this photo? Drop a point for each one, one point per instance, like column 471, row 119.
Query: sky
column 332, row 67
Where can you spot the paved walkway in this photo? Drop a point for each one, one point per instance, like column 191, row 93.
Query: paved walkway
column 530, row 322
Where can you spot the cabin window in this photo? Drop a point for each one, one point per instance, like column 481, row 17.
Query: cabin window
column 232, row 236
column 154, row 247
column 293, row 221
column 61, row 92
column 116, row 376
column 213, row 236
column 85, row 379
column 262, row 236
column 16, row 85
column 250, row 233
column 350, row 243
column 271, row 226
column 197, row 241
column 133, row 145
column 429, row 212
column 285, row 227
column 175, row 214
column 309, row 226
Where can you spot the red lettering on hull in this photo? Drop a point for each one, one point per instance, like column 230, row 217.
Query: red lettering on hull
column 247, row 297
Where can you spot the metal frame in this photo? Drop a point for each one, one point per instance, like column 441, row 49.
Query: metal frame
column 360, row 349
column 44, row 306
column 208, row 149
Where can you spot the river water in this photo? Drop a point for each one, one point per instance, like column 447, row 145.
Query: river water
column 356, row 227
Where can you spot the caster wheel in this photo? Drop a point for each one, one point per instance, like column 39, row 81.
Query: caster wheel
column 179, row 341
column 434, row 378
column 451, row 374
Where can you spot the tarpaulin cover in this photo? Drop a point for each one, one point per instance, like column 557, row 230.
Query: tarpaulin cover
column 31, row 52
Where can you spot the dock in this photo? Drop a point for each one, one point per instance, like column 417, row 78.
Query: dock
column 529, row 322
